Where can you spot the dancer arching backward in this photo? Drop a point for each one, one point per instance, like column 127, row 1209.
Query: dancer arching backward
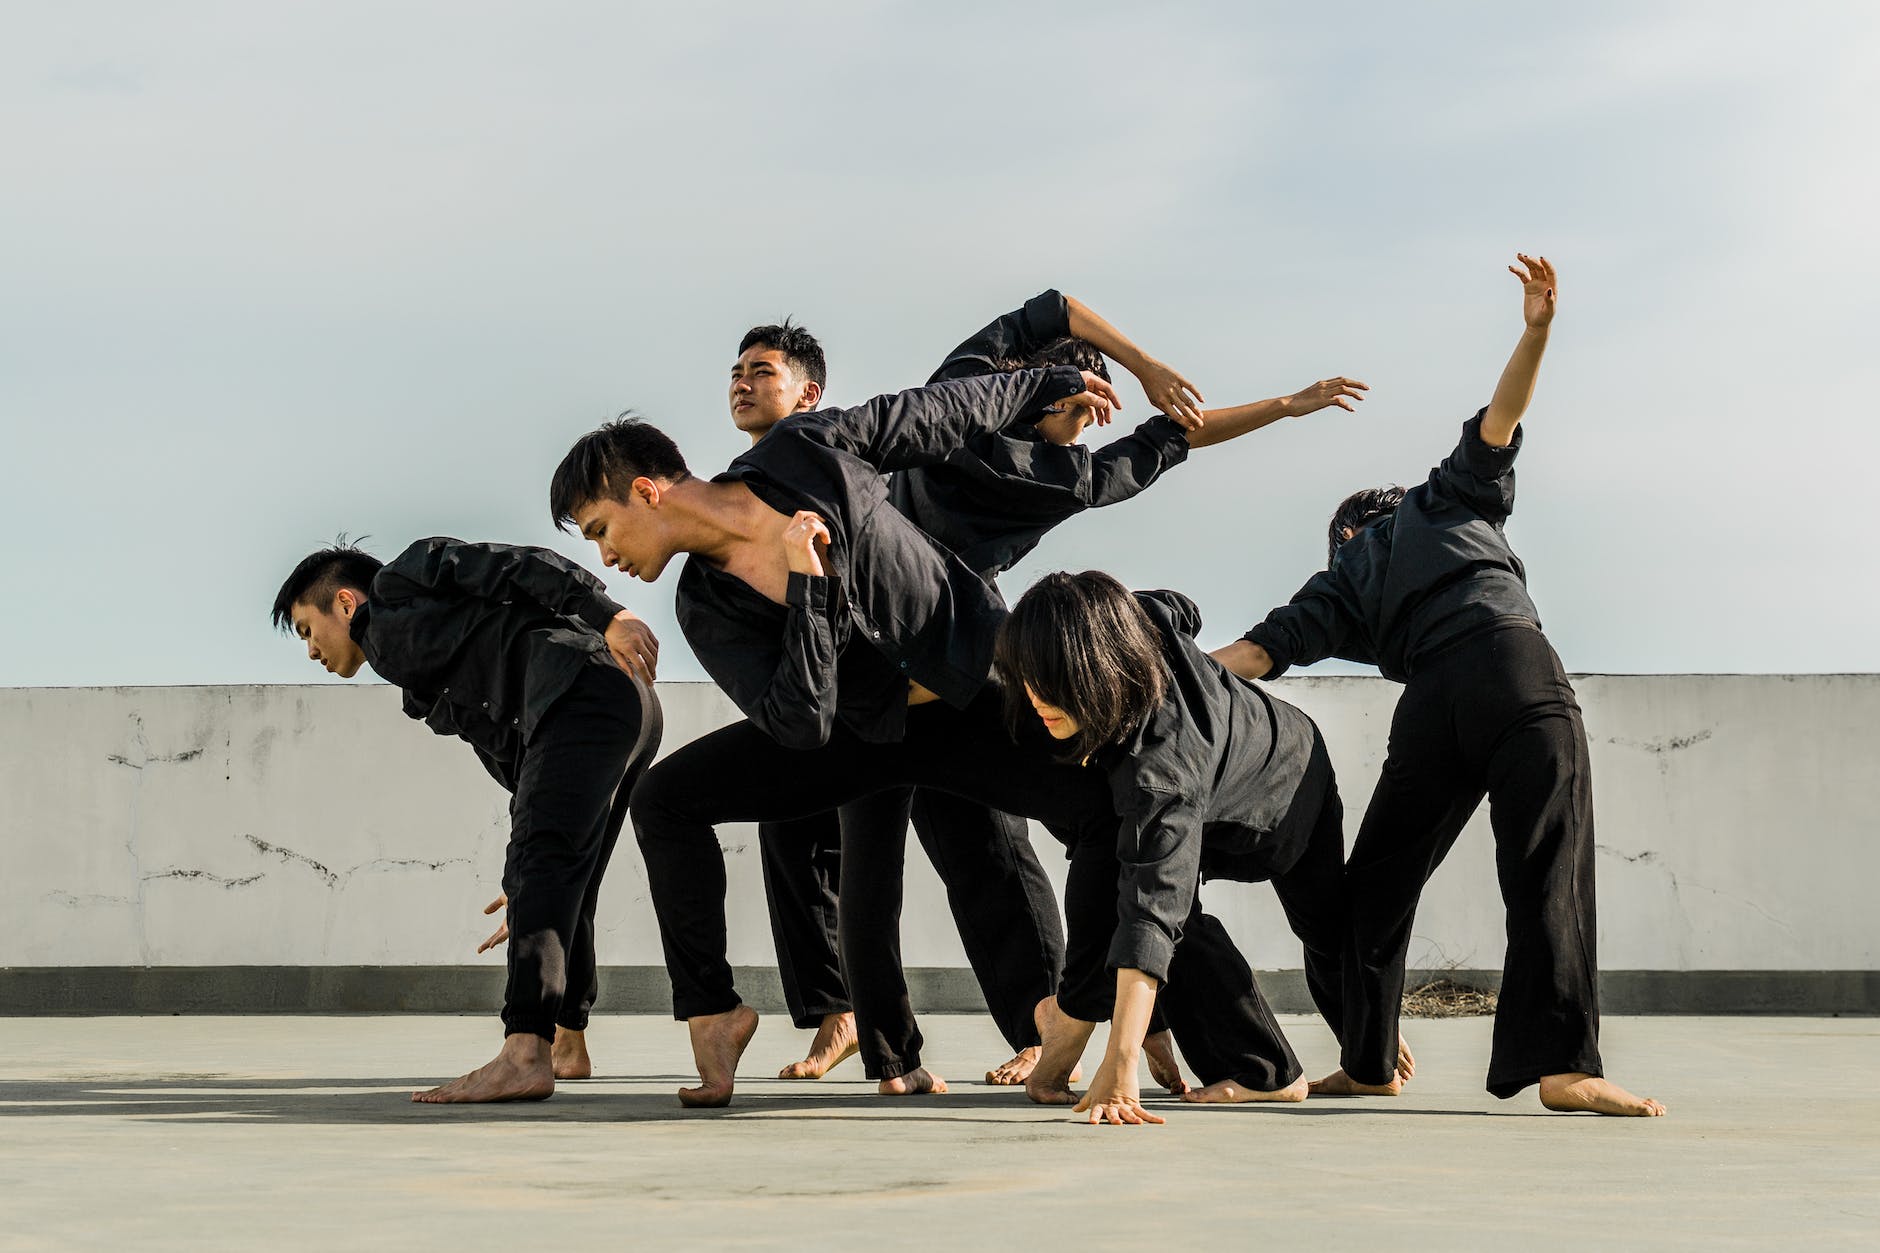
column 990, row 502
column 1423, row 584
column 858, row 650
column 520, row 652
column 1211, row 778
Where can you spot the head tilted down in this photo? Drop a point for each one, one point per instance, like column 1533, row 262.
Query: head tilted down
column 610, row 489
column 318, row 601
column 780, row 370
column 1062, row 424
column 1079, row 654
column 1357, row 511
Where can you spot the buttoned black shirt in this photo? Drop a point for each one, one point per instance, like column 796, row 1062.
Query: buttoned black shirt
column 1204, row 788
column 1435, row 571
column 483, row 638
column 918, row 612
column 993, row 498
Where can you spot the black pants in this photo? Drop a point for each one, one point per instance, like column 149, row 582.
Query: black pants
column 1007, row 917
column 1493, row 715
column 740, row 774
column 565, row 817
column 1211, row 1001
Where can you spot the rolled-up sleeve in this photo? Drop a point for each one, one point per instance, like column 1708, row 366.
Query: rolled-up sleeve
column 1320, row 621
column 1008, row 339
column 1478, row 474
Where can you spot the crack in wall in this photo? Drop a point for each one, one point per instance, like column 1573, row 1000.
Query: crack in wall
column 1655, row 859
column 337, row 878
column 289, row 855
column 208, row 876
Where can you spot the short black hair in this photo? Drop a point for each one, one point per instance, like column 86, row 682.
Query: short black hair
column 608, row 459
column 1083, row 643
column 1358, row 510
column 797, row 345
column 1079, row 354
column 320, row 576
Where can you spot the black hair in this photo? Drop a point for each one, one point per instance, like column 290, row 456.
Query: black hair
column 320, row 576
column 1083, row 644
column 1067, row 350
column 1358, row 510
column 607, row 460
column 797, row 345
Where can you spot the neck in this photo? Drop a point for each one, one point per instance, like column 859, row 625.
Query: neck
column 712, row 520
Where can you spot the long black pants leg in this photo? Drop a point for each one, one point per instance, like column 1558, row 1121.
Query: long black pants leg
column 1541, row 810
column 1423, row 799
column 802, row 861
column 874, row 852
column 1220, row 1020
column 1003, row 905
column 1312, row 893
column 565, row 788
column 584, row 985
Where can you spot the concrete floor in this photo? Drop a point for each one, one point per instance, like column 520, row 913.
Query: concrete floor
column 265, row 1132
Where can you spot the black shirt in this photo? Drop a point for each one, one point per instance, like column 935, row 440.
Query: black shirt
column 483, row 638
column 923, row 615
column 993, row 499
column 1205, row 788
column 1435, row 571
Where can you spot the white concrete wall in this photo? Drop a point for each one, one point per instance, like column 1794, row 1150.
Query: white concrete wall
column 318, row 826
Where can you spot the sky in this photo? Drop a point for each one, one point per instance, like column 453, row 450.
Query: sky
column 273, row 272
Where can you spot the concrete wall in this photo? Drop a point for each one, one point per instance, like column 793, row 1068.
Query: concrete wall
column 316, row 826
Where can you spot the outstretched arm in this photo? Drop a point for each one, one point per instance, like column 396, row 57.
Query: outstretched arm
column 1516, row 388
column 1221, row 425
column 1166, row 390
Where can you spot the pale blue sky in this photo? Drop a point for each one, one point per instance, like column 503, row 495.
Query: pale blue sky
column 271, row 272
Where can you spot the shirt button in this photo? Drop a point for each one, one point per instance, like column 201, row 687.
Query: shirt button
column 486, row 704
column 904, row 665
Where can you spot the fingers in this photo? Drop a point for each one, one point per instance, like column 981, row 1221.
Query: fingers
column 496, row 904
column 1100, row 386
column 500, row 936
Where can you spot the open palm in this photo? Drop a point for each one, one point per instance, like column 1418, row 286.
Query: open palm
column 1539, row 288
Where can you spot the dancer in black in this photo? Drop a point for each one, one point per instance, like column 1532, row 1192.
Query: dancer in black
column 990, row 502
column 521, row 653
column 1212, row 778
column 1423, row 584
column 858, row 650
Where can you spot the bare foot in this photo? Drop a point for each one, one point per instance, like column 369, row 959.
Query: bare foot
column 1064, row 1040
column 718, row 1041
column 1406, row 1064
column 919, row 1082
column 521, row 1072
column 1597, row 1096
column 1016, row 1071
column 1338, row 1083
column 570, row 1055
column 1227, row 1092
column 1159, row 1051
column 834, row 1044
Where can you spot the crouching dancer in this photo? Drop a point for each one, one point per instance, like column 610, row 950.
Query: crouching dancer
column 857, row 648
column 1422, row 584
column 520, row 652
column 1211, row 777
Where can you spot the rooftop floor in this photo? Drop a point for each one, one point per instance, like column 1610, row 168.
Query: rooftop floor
column 294, row 1132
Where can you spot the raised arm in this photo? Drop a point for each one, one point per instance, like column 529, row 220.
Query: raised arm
column 508, row 571
column 1166, row 390
column 1323, row 619
column 1516, row 388
column 1220, row 425
column 925, row 425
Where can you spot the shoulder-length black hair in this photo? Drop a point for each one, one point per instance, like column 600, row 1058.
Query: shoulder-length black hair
column 1083, row 644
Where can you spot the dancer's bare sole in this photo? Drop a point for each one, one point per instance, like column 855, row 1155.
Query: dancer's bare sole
column 920, row 1082
column 1064, row 1041
column 570, row 1055
column 1227, row 1092
column 1158, row 1049
column 718, row 1041
column 1338, row 1083
column 521, row 1072
column 1589, row 1094
column 834, row 1044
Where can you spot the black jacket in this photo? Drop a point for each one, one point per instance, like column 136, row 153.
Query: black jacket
column 1208, row 787
column 1434, row 572
column 920, row 614
column 483, row 638
column 993, row 499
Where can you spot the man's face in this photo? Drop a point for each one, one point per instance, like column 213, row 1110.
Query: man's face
column 630, row 533
column 328, row 633
column 765, row 390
